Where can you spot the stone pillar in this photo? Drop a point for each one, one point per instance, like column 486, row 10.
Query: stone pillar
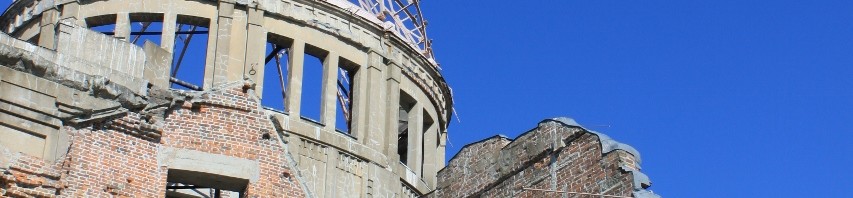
column 256, row 49
column 360, row 97
column 210, row 57
column 329, row 91
column 122, row 28
column 223, row 45
column 70, row 11
column 416, row 128
column 167, row 39
column 295, row 62
column 47, row 32
column 374, row 137
column 236, row 56
column 392, row 103
column 429, row 147
column 440, row 151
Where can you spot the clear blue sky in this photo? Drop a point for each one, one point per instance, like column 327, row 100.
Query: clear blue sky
column 724, row 98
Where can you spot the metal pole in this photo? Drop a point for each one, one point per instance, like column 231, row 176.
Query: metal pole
column 183, row 51
column 281, row 77
column 144, row 27
column 184, row 83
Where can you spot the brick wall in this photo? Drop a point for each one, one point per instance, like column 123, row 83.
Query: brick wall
column 110, row 158
column 553, row 156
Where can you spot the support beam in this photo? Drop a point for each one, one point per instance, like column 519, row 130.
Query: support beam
column 191, row 32
column 281, row 78
column 273, row 54
column 185, row 84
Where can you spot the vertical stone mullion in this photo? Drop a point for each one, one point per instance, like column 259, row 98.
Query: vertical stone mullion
column 392, row 102
column 167, row 38
column 256, row 49
column 295, row 63
column 122, row 27
column 329, row 91
column 416, row 122
column 210, row 57
column 429, row 150
column 375, row 105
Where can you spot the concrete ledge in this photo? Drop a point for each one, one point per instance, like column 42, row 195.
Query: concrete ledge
column 185, row 160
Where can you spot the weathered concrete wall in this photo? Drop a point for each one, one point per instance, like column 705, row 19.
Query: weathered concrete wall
column 558, row 155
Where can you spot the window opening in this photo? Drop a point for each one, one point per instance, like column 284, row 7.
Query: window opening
column 145, row 26
column 312, row 84
column 275, row 72
column 406, row 104
column 184, row 183
column 189, row 53
column 343, row 111
column 105, row 24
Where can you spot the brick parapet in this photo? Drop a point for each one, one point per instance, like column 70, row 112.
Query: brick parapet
column 553, row 156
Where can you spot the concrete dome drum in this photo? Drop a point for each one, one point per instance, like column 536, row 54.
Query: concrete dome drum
column 185, row 97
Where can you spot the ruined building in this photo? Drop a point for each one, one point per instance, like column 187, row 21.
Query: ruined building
column 260, row 98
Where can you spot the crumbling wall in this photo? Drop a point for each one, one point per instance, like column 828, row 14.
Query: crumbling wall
column 230, row 122
column 112, row 140
column 556, row 159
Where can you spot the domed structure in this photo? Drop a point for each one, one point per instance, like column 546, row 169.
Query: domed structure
column 262, row 98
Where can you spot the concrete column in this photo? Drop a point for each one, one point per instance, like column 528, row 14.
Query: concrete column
column 329, row 91
column 295, row 62
column 47, row 32
column 237, row 47
column 122, row 28
column 210, row 55
column 223, row 35
column 167, row 39
column 256, row 49
column 374, row 137
column 70, row 11
column 392, row 103
column 359, row 104
column 430, row 167
column 416, row 127
column 440, row 151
